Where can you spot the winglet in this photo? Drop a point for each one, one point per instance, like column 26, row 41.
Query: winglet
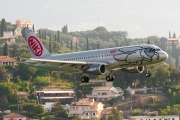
column 37, row 49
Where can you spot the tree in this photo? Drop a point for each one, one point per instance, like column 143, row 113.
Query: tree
column 33, row 27
column 15, row 51
column 65, row 29
column 87, row 48
column 76, row 46
column 98, row 45
column 50, row 47
column 3, row 26
column 59, row 111
column 38, row 109
column 58, row 36
column 136, row 112
column 23, row 32
column 6, row 50
column 44, row 34
column 169, row 34
column 71, row 45
column 174, row 35
column 115, row 115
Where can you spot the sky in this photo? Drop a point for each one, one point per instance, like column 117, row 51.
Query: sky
column 140, row 18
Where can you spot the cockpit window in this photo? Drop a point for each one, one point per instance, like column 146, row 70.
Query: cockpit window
column 151, row 50
column 158, row 49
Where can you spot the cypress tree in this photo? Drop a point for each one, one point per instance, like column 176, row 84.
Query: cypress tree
column 67, row 43
column 87, row 44
column 174, row 35
column 50, row 46
column 15, row 52
column 71, row 45
column 66, row 30
column 76, row 46
column 44, row 34
column 23, row 32
column 177, row 61
column 58, row 36
column 98, row 46
column 169, row 34
column 39, row 33
column 3, row 26
column 55, row 37
column 33, row 27
column 6, row 50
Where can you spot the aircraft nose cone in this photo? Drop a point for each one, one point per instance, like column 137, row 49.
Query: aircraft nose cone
column 163, row 56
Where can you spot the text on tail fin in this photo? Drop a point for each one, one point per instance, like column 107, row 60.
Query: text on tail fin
column 35, row 46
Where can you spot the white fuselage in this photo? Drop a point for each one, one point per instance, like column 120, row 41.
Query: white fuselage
column 114, row 58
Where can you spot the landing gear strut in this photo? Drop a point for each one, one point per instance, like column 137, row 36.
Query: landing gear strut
column 110, row 77
column 148, row 74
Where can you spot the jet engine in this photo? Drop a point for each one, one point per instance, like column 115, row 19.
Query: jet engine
column 96, row 69
column 138, row 69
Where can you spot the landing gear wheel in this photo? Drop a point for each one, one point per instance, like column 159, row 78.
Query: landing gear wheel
column 84, row 79
column 148, row 74
column 110, row 78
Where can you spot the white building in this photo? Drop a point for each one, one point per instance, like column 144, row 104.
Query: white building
column 54, row 94
column 86, row 108
column 165, row 117
column 105, row 92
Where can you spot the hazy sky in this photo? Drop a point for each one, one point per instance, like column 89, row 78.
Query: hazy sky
column 140, row 18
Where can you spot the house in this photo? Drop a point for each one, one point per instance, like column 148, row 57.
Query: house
column 163, row 117
column 86, row 108
column 22, row 23
column 15, row 116
column 132, row 91
column 7, row 34
column 176, row 41
column 5, row 60
column 105, row 92
column 54, row 94
column 9, row 40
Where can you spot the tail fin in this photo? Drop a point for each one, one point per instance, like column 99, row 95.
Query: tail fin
column 37, row 49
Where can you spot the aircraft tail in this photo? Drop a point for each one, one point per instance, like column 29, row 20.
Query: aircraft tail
column 37, row 49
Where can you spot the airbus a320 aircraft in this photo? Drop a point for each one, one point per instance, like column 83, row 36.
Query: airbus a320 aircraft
column 131, row 59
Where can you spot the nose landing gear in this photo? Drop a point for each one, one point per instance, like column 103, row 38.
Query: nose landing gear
column 148, row 74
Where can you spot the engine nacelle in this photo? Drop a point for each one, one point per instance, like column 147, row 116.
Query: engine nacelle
column 96, row 69
column 138, row 69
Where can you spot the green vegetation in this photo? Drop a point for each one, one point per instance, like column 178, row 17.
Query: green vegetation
column 115, row 115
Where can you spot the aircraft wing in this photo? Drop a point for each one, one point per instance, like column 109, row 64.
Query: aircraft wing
column 77, row 64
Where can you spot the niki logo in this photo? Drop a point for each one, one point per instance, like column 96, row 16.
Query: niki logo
column 35, row 46
column 113, row 51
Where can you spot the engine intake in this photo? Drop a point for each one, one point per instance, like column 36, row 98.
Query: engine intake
column 138, row 69
column 96, row 69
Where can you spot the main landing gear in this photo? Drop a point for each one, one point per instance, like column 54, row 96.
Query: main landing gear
column 148, row 74
column 110, row 77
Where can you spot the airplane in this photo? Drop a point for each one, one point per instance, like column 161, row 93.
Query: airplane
column 131, row 59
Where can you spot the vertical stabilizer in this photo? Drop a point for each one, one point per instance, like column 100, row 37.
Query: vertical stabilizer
column 37, row 49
